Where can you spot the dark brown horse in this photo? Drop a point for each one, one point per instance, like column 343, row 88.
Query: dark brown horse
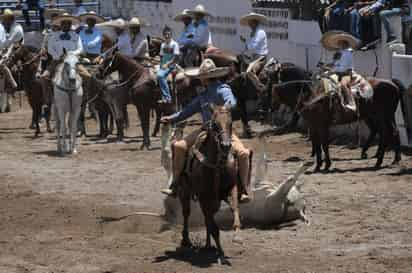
column 138, row 88
column 319, row 112
column 33, row 86
column 211, row 176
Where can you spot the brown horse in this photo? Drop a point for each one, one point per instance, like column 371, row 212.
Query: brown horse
column 211, row 176
column 139, row 89
column 32, row 85
column 319, row 112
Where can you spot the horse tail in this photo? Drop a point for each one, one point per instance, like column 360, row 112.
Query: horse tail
column 402, row 91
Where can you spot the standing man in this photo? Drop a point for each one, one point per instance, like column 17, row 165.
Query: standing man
column 188, row 31
column 79, row 9
column 219, row 94
column 202, row 37
column 138, row 41
column 169, row 54
column 91, row 36
column 32, row 5
column 257, row 44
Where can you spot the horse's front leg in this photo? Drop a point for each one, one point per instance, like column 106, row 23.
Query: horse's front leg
column 185, row 202
column 74, row 118
column 144, row 114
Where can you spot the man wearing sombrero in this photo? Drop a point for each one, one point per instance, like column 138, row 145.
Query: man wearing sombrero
column 32, row 5
column 216, row 93
column 91, row 36
column 257, row 44
column 202, row 37
column 138, row 41
column 188, row 31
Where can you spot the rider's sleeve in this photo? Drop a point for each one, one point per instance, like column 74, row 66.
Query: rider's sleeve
column 17, row 35
column 201, row 36
column 256, row 41
column 142, row 49
column 191, row 109
column 2, row 37
column 98, row 39
column 228, row 97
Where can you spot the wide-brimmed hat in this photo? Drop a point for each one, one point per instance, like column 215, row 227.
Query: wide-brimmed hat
column 332, row 40
column 184, row 14
column 208, row 70
column 91, row 15
column 118, row 23
column 52, row 12
column 199, row 9
column 244, row 20
column 66, row 17
column 135, row 21
column 8, row 13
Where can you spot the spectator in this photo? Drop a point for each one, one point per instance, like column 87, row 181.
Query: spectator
column 395, row 7
column 32, row 5
column 337, row 15
column 79, row 9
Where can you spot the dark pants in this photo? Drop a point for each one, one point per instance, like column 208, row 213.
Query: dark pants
column 33, row 5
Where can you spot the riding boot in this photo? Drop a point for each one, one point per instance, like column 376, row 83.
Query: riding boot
column 179, row 149
column 243, row 156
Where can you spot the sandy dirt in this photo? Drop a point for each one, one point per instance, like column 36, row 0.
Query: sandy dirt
column 360, row 218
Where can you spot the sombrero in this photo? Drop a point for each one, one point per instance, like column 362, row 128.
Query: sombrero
column 65, row 17
column 184, row 14
column 91, row 15
column 135, row 21
column 52, row 12
column 207, row 70
column 221, row 57
column 199, row 9
column 9, row 13
column 252, row 16
column 331, row 40
column 118, row 23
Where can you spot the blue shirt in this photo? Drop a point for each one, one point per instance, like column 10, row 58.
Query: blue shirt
column 40, row 4
column 183, row 39
column 216, row 93
column 202, row 34
column 92, row 42
column 258, row 43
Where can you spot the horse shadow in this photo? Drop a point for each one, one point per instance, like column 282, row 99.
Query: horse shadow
column 195, row 256
column 400, row 172
column 50, row 153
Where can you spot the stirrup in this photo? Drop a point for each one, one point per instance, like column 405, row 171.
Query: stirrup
column 168, row 192
column 244, row 198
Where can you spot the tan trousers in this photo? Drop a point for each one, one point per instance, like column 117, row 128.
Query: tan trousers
column 181, row 147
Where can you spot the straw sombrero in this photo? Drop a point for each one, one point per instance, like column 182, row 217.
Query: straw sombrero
column 118, row 23
column 65, row 17
column 184, row 14
column 52, row 12
column 207, row 70
column 331, row 40
column 244, row 20
column 135, row 21
column 91, row 15
column 9, row 13
column 199, row 9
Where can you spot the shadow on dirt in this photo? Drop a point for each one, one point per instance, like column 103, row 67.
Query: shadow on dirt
column 195, row 256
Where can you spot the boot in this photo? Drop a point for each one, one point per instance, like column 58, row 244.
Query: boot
column 172, row 190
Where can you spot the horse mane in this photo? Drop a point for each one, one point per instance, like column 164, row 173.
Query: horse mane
column 31, row 48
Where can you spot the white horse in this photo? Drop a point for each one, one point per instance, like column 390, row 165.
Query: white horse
column 68, row 96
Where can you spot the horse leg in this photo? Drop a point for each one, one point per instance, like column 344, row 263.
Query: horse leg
column 47, row 117
column 382, row 143
column 157, row 124
column 325, row 146
column 372, row 134
column 37, row 115
column 247, row 132
column 185, row 202
column 315, row 138
column 234, row 205
column 396, row 142
column 214, row 230
column 144, row 114
column 75, row 114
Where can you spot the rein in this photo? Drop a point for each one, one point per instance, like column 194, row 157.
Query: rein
column 30, row 61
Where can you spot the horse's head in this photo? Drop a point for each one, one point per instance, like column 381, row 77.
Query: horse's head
column 109, row 65
column 69, row 69
column 271, row 71
column 19, row 52
column 221, row 128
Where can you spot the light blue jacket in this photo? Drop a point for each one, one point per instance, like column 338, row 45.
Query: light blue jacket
column 92, row 43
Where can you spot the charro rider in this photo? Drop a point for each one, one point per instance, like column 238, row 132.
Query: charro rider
column 343, row 43
column 257, row 44
column 188, row 31
column 202, row 37
column 138, row 41
column 91, row 36
column 216, row 93
column 64, row 40
column 10, row 33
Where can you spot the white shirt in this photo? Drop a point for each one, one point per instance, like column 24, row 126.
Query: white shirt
column 15, row 35
column 55, row 44
column 258, row 43
column 124, row 44
column 345, row 62
column 140, row 47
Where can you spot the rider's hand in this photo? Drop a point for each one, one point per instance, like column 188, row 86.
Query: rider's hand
column 166, row 119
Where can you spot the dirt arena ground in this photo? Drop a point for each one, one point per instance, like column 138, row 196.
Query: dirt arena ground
column 361, row 219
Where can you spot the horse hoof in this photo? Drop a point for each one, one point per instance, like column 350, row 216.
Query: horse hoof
column 378, row 165
column 327, row 166
column 186, row 243
column 317, row 169
column 74, row 152
column 395, row 162
column 364, row 156
column 221, row 260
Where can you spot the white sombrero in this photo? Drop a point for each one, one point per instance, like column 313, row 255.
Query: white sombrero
column 135, row 21
column 66, row 17
column 91, row 15
column 50, row 13
column 184, row 14
column 199, row 9
column 244, row 20
column 9, row 13
column 331, row 40
column 207, row 70
column 118, row 23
